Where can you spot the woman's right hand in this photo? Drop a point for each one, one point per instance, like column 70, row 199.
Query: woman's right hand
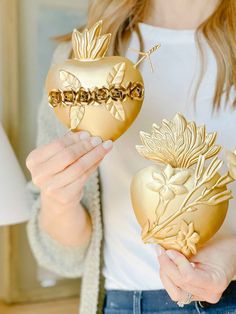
column 60, row 169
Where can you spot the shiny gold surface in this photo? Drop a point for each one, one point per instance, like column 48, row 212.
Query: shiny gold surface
column 181, row 201
column 102, row 95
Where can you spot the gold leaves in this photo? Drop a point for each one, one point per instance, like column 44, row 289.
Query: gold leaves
column 89, row 44
column 220, row 198
column 116, row 110
column 212, row 169
column 178, row 143
column 76, row 115
column 116, row 76
column 231, row 158
column 224, row 180
column 199, row 167
column 69, row 80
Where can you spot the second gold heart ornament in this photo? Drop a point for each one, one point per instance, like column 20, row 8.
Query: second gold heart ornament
column 182, row 199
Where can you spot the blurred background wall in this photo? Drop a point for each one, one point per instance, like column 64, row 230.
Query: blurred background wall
column 26, row 47
column 39, row 22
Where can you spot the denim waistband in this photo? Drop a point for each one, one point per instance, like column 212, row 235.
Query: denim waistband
column 158, row 301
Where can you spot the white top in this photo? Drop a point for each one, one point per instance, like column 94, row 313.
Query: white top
column 130, row 264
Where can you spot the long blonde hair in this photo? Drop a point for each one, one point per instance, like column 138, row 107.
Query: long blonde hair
column 121, row 17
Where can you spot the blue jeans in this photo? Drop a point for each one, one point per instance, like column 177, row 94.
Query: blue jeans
column 158, row 301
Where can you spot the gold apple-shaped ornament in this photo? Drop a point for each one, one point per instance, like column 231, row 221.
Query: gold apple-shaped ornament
column 102, row 95
column 181, row 200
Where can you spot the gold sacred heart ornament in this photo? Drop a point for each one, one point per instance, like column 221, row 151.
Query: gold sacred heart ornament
column 102, row 95
column 182, row 200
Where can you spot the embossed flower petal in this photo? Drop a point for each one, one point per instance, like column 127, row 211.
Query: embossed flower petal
column 168, row 172
column 185, row 250
column 178, row 189
column 192, row 248
column 167, row 193
column 154, row 186
column 190, row 230
column 159, row 177
column 184, row 227
column 180, row 177
column 195, row 237
column 180, row 238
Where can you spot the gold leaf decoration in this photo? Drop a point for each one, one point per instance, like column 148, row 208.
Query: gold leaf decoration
column 212, row 169
column 116, row 110
column 199, row 167
column 76, row 115
column 89, row 44
column 170, row 184
column 178, row 143
column 116, row 76
column 231, row 157
column 186, row 185
column 69, row 80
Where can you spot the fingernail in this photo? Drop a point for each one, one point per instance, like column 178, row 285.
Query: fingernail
column 171, row 254
column 83, row 135
column 107, row 144
column 160, row 250
column 96, row 141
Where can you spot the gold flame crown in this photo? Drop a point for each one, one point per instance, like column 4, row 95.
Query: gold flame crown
column 178, row 143
column 90, row 44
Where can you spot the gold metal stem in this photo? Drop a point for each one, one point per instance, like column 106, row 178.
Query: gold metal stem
column 145, row 55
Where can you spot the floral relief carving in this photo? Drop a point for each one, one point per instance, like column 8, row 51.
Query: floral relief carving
column 184, row 148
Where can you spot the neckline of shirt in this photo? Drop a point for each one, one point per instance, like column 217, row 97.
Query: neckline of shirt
column 161, row 34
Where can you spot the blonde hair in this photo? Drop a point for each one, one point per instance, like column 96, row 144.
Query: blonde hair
column 121, row 17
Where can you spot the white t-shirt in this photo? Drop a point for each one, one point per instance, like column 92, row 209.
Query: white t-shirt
column 129, row 263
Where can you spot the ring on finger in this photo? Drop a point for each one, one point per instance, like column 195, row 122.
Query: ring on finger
column 188, row 300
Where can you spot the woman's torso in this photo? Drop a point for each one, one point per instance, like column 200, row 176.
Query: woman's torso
column 129, row 263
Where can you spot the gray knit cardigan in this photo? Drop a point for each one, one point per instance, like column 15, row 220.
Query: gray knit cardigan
column 86, row 261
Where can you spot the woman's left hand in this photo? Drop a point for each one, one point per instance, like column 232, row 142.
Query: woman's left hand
column 213, row 269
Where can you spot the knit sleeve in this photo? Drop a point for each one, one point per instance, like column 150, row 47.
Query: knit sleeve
column 65, row 261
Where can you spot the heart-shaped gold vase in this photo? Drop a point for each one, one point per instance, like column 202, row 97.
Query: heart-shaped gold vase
column 102, row 95
column 180, row 202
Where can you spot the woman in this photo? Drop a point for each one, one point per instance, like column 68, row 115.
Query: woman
column 194, row 75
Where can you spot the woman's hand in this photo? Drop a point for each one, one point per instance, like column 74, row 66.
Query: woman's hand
column 205, row 276
column 60, row 169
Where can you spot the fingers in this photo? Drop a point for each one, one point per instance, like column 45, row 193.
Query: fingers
column 179, row 276
column 66, row 157
column 72, row 191
column 167, row 266
column 176, row 294
column 44, row 153
column 189, row 273
column 79, row 168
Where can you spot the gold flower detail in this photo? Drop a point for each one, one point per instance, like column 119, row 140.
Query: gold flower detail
column 169, row 184
column 187, row 238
